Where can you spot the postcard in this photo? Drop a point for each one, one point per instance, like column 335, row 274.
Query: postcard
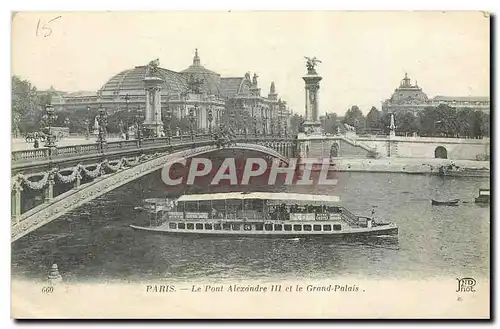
column 250, row 165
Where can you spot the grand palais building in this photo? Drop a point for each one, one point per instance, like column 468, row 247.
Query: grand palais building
column 196, row 88
column 410, row 97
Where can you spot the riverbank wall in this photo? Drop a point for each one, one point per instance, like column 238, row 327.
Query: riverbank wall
column 442, row 167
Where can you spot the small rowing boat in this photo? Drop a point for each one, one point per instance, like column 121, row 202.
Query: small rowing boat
column 453, row 202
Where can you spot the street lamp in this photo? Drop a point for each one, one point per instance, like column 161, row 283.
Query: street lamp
column 191, row 120
column 265, row 123
column 210, row 117
column 49, row 118
column 127, row 101
column 87, row 122
column 138, row 130
column 121, row 125
column 169, row 127
column 255, row 126
column 102, row 119
column 233, row 125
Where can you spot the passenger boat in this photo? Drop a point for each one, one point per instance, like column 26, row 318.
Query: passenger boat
column 484, row 196
column 453, row 202
column 261, row 215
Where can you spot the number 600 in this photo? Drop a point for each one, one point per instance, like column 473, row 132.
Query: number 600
column 47, row 290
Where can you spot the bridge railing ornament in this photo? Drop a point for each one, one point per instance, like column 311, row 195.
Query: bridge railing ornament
column 87, row 149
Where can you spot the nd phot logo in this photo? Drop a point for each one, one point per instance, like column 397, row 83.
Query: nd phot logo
column 466, row 285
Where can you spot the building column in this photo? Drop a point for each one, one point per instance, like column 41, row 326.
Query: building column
column 16, row 201
column 78, row 178
column 49, row 192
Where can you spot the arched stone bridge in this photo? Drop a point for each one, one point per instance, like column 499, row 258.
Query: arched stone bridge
column 86, row 172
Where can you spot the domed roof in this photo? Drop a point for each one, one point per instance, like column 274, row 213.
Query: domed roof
column 211, row 79
column 131, row 82
column 408, row 93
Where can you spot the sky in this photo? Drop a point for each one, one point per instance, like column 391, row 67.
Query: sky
column 364, row 54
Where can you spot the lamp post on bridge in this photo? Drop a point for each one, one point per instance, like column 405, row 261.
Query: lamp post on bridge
column 49, row 118
column 233, row 120
column 87, row 122
column 102, row 119
column 168, row 116
column 265, row 123
column 210, row 117
column 254, row 119
column 138, row 118
column 191, row 120
column 121, row 125
column 127, row 101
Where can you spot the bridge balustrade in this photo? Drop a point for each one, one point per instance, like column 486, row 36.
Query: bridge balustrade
column 30, row 154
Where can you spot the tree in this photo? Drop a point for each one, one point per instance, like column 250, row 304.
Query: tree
column 25, row 104
column 406, row 123
column 354, row 117
column 485, row 127
column 373, row 119
column 295, row 122
column 330, row 123
column 464, row 122
column 429, row 120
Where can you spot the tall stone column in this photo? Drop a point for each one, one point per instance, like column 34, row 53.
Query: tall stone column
column 312, row 123
column 152, row 114
column 16, row 201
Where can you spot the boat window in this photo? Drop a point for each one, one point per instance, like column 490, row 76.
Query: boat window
column 217, row 227
column 317, row 227
column 288, row 227
column 297, row 227
column 307, row 227
column 208, row 226
column 226, row 226
column 182, row 226
column 247, row 227
column 172, row 225
column 199, row 226
column 235, row 227
column 268, row 227
column 278, row 227
column 327, row 227
column 190, row 226
column 259, row 227
column 337, row 227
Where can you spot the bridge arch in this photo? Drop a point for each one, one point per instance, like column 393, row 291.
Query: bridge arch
column 440, row 152
column 47, row 212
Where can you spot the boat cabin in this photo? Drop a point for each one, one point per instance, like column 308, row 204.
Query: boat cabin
column 484, row 196
column 257, row 207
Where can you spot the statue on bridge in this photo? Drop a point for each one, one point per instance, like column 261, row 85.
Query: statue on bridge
column 152, row 68
column 311, row 64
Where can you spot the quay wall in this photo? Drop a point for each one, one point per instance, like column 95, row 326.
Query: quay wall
column 324, row 146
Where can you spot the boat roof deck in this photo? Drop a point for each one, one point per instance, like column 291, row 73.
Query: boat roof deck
column 294, row 198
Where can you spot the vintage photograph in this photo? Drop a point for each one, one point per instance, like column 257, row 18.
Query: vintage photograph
column 319, row 164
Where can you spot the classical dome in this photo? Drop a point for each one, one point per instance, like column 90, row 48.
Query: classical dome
column 210, row 79
column 408, row 93
column 131, row 82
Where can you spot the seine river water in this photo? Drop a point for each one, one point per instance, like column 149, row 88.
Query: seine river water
column 94, row 242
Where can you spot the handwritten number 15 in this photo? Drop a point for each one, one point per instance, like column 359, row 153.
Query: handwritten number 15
column 43, row 28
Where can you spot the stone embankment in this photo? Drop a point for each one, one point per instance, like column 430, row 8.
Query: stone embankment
column 443, row 167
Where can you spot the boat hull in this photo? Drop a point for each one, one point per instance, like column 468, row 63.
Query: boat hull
column 384, row 230
column 445, row 203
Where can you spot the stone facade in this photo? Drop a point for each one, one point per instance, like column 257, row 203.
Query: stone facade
column 392, row 147
column 409, row 97
column 194, row 88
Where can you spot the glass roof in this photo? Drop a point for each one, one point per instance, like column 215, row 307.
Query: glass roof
column 131, row 82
